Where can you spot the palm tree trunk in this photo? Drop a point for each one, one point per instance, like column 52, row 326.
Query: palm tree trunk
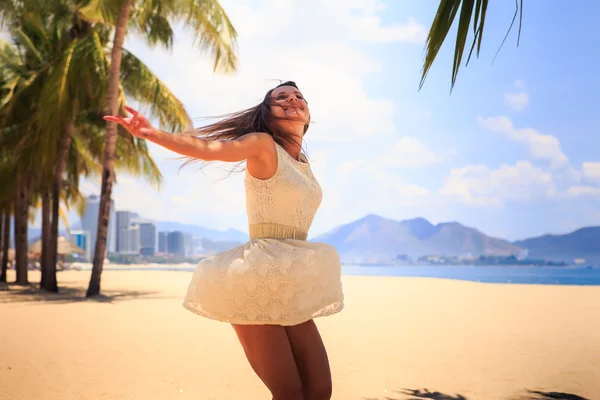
column 2, row 277
column 5, row 244
column 45, row 256
column 21, row 217
column 108, row 170
column 61, row 165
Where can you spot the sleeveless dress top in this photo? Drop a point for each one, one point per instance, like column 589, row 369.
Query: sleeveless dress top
column 277, row 277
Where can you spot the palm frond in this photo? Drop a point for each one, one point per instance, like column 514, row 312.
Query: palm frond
column 151, row 20
column 212, row 29
column 100, row 11
column 78, row 81
column 132, row 156
column 141, row 84
column 22, row 39
column 475, row 10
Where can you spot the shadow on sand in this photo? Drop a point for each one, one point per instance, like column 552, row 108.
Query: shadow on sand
column 538, row 395
column 13, row 293
column 419, row 394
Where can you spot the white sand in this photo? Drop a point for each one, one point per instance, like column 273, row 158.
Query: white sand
column 481, row 341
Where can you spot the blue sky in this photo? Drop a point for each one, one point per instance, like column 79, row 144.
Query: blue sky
column 513, row 151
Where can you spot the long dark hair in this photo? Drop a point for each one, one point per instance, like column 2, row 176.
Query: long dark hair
column 256, row 119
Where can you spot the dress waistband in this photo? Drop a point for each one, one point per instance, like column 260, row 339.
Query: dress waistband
column 275, row 231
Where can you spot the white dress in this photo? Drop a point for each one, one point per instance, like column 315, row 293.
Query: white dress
column 278, row 277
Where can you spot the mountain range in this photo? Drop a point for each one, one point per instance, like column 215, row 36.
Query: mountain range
column 377, row 238
column 230, row 235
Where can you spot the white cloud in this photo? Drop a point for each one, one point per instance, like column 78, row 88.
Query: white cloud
column 410, row 152
column 546, row 147
column 326, row 61
column 591, row 170
column 321, row 46
column 369, row 28
column 359, row 20
column 581, row 190
column 480, row 185
column 520, row 83
column 377, row 183
column 359, row 187
column 517, row 101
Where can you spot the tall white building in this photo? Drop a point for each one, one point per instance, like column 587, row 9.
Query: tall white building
column 135, row 235
column 89, row 223
column 134, row 239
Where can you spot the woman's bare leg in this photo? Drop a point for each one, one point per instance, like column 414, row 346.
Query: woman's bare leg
column 268, row 350
column 311, row 360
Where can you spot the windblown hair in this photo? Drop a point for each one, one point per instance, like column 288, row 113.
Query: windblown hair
column 256, row 119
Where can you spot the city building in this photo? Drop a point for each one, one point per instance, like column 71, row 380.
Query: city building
column 133, row 233
column 82, row 240
column 148, row 238
column 180, row 244
column 123, row 222
column 89, row 223
column 163, row 242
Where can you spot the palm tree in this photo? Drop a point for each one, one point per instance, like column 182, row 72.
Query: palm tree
column 18, row 86
column 444, row 18
column 152, row 18
column 6, row 201
column 68, row 87
column 5, row 243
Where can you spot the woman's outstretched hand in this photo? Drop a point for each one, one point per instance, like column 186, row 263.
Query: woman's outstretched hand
column 137, row 125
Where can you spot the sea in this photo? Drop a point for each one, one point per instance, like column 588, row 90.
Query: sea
column 582, row 276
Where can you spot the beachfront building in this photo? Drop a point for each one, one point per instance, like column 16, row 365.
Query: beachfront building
column 180, row 244
column 130, row 229
column 89, row 223
column 163, row 242
column 148, row 238
column 82, row 240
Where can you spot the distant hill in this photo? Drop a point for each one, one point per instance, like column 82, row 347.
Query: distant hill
column 212, row 247
column 582, row 243
column 214, row 235
column 375, row 237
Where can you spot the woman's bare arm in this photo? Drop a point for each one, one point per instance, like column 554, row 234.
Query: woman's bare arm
column 248, row 146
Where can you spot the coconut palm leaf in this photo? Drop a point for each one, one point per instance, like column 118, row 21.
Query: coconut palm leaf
column 150, row 19
column 212, row 29
column 475, row 10
column 141, row 84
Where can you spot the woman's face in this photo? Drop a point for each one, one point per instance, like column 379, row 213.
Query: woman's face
column 288, row 103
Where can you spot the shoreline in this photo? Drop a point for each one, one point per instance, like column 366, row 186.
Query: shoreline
column 507, row 275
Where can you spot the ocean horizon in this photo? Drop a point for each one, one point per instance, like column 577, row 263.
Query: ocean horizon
column 580, row 276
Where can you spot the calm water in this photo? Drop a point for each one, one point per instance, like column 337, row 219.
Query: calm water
column 511, row 275
column 492, row 274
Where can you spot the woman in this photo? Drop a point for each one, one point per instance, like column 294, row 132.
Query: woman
column 271, row 288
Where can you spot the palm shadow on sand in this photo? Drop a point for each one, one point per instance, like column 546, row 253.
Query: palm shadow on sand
column 13, row 293
column 419, row 394
column 539, row 395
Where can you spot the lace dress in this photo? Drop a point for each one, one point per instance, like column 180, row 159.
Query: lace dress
column 278, row 277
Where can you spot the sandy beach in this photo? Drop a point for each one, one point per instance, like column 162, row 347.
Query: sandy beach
column 397, row 336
